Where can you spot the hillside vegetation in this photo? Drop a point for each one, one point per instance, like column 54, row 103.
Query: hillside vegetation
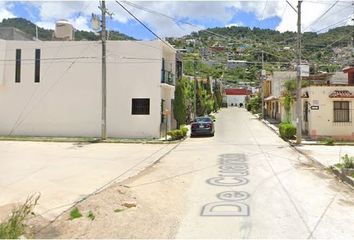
column 46, row 34
column 211, row 48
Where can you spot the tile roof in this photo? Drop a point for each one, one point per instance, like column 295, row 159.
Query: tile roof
column 240, row 91
column 270, row 98
column 341, row 94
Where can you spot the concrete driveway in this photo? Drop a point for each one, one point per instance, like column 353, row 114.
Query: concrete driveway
column 65, row 172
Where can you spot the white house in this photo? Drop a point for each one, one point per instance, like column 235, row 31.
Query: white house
column 53, row 88
column 235, row 97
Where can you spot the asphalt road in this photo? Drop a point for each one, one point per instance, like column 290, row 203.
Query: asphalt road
column 248, row 183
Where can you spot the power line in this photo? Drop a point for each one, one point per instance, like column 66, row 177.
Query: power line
column 172, row 18
column 131, row 14
column 322, row 15
column 176, row 20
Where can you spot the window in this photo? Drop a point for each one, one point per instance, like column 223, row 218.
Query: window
column 18, row 66
column 37, row 65
column 306, row 111
column 140, row 106
column 341, row 111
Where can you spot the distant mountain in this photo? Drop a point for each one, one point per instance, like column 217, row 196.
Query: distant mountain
column 46, row 34
column 335, row 46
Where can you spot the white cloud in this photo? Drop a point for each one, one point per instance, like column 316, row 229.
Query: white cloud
column 238, row 24
column 46, row 25
column 79, row 12
column 311, row 11
column 5, row 11
column 80, row 23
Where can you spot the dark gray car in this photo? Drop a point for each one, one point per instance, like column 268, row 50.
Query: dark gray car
column 202, row 126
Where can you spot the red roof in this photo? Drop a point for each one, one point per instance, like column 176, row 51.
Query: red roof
column 348, row 69
column 240, row 91
column 341, row 94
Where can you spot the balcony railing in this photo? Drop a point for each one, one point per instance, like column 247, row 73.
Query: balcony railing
column 167, row 77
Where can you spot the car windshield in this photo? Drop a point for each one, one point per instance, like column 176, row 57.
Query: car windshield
column 203, row 119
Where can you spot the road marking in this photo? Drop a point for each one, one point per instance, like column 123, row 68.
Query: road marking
column 233, row 169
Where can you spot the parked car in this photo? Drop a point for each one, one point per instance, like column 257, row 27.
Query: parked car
column 202, row 126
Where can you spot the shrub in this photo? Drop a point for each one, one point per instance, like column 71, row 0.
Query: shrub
column 184, row 129
column 329, row 141
column 175, row 134
column 14, row 227
column 347, row 162
column 178, row 133
column 287, row 130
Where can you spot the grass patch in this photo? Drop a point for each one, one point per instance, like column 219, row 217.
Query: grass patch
column 338, row 165
column 75, row 213
column 91, row 216
column 118, row 210
column 15, row 227
column 328, row 141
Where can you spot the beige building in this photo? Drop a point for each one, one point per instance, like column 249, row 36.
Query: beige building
column 273, row 89
column 54, row 88
column 328, row 111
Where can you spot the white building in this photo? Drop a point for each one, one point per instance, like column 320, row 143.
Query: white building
column 235, row 97
column 54, row 88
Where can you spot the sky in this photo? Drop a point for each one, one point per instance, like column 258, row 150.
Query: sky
column 179, row 18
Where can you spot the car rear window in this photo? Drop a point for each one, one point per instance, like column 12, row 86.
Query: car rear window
column 203, row 119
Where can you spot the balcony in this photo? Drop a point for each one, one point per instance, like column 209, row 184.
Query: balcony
column 167, row 77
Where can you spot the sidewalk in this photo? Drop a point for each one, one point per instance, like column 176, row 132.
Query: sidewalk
column 65, row 173
column 324, row 155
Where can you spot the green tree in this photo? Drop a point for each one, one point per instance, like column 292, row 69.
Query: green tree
column 288, row 98
column 183, row 103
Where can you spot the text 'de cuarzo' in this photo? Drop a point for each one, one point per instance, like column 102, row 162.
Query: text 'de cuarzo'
column 233, row 171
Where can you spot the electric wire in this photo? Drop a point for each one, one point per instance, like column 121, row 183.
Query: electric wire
column 144, row 25
column 322, row 15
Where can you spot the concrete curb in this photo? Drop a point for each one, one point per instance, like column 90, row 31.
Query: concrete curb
column 88, row 140
column 349, row 181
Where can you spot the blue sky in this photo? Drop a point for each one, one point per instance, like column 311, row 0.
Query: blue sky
column 206, row 14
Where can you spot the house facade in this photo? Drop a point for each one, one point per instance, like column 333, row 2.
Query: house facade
column 273, row 88
column 236, row 97
column 53, row 88
column 328, row 112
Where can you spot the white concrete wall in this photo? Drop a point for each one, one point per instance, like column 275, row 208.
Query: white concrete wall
column 320, row 122
column 67, row 101
column 2, row 63
column 235, row 99
column 278, row 79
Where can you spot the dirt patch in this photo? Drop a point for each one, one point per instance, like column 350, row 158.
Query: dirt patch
column 149, row 205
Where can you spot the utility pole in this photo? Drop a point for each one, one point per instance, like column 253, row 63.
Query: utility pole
column 37, row 32
column 104, row 77
column 262, row 84
column 298, row 85
column 195, row 87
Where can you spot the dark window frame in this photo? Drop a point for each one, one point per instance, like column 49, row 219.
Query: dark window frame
column 140, row 106
column 37, row 66
column 341, row 111
column 18, row 66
